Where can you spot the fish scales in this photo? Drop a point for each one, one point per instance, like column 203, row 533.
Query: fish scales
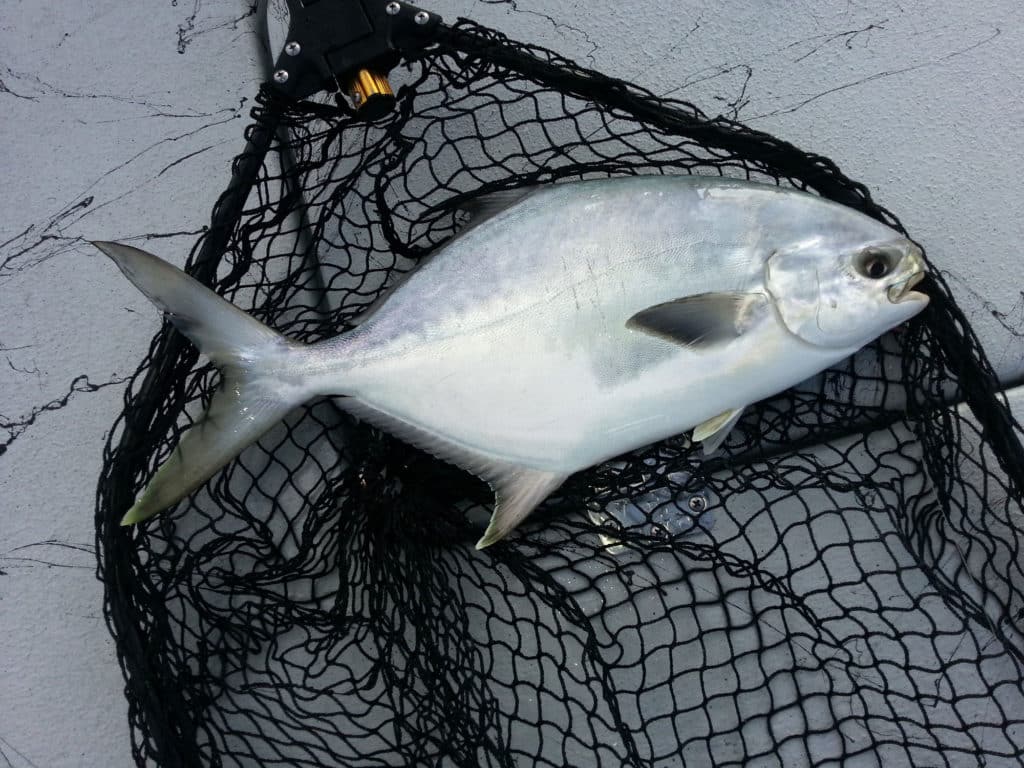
column 553, row 282
column 578, row 322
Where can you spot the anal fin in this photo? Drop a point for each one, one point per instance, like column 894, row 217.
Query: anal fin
column 518, row 489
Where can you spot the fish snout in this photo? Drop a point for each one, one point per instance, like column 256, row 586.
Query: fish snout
column 913, row 271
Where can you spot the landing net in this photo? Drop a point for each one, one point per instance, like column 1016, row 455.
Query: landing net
column 841, row 584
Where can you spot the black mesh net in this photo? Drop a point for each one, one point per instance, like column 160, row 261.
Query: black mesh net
column 841, row 584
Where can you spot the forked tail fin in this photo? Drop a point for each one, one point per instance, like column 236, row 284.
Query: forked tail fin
column 253, row 396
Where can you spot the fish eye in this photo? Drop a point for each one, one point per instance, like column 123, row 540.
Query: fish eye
column 876, row 268
column 876, row 264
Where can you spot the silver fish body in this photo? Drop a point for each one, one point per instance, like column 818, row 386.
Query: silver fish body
column 587, row 319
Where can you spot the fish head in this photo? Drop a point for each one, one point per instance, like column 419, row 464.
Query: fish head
column 843, row 290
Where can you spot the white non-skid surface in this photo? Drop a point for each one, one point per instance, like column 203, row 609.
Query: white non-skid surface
column 118, row 120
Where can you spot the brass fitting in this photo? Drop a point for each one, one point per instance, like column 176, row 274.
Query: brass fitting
column 371, row 92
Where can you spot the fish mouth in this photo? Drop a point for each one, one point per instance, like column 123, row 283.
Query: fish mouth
column 903, row 291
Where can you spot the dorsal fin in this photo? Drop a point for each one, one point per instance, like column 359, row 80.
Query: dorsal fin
column 480, row 209
column 483, row 207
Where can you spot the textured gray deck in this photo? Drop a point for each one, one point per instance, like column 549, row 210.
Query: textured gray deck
column 120, row 120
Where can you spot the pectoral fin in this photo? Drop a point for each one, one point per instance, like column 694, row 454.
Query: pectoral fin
column 702, row 321
column 712, row 433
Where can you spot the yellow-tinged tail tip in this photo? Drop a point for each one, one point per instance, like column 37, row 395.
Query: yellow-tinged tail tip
column 137, row 514
column 251, row 399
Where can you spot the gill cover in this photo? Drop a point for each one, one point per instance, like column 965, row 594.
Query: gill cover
column 820, row 299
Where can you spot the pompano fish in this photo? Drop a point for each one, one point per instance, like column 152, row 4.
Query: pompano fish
column 567, row 324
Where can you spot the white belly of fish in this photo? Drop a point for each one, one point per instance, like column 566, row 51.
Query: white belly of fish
column 525, row 392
